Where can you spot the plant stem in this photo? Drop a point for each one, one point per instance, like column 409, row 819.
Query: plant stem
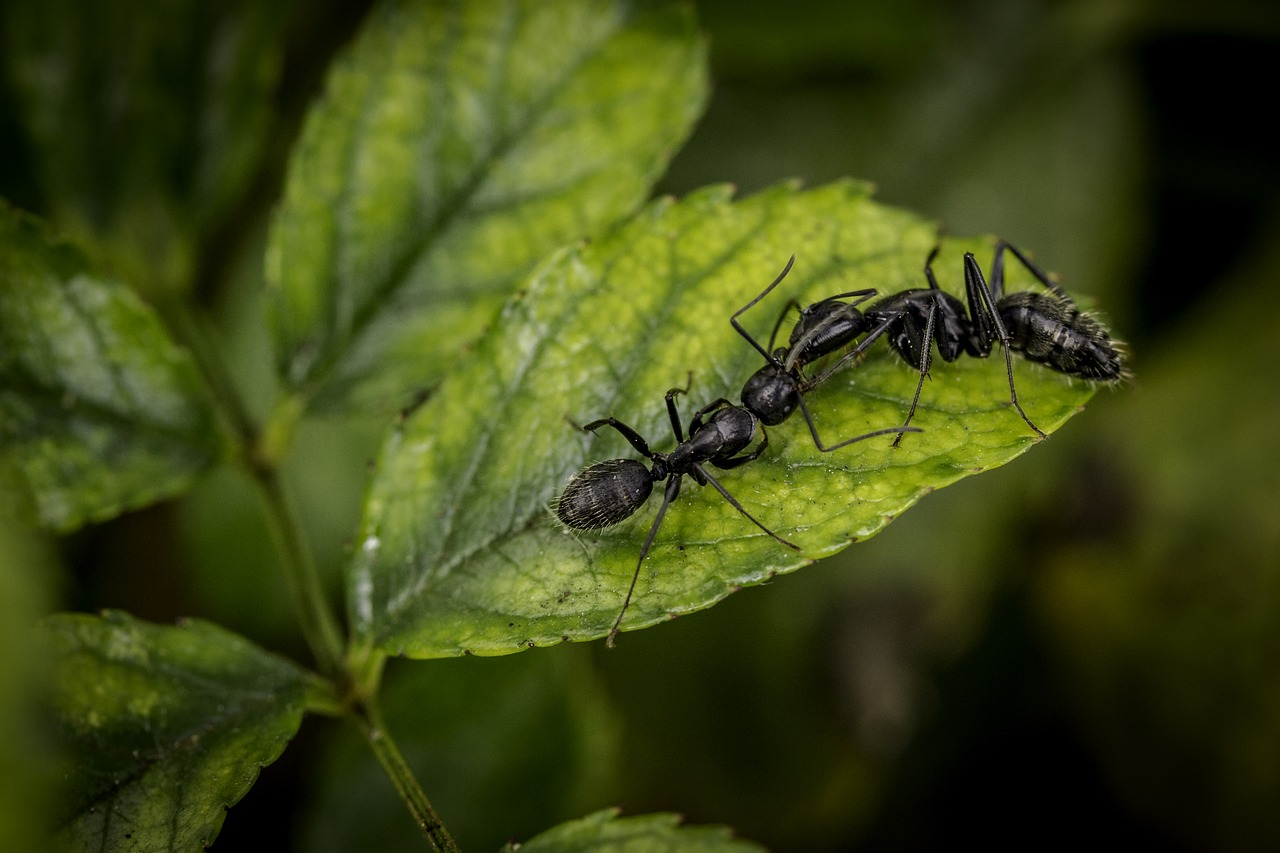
column 371, row 725
column 319, row 627
column 318, row 623
column 259, row 451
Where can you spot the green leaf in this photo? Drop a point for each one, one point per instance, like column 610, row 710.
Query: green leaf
column 99, row 410
column 166, row 726
column 147, row 121
column 459, row 551
column 604, row 830
column 456, row 145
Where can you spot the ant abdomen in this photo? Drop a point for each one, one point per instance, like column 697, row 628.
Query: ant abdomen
column 1051, row 331
column 604, row 494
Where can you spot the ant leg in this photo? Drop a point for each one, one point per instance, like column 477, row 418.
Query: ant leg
column 673, row 413
column 696, row 423
column 637, row 441
column 672, row 492
column 926, row 356
column 928, row 267
column 985, row 317
column 863, row 295
column 997, row 272
column 983, row 312
column 734, row 503
column 817, row 442
column 738, row 326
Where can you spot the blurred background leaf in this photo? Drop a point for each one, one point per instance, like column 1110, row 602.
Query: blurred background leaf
column 605, row 830
column 100, row 411
column 146, row 123
column 164, row 727
column 27, row 774
column 1164, row 608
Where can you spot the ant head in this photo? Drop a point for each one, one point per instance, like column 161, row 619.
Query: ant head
column 771, row 394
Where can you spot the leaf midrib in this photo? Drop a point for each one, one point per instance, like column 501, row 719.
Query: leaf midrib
column 451, row 209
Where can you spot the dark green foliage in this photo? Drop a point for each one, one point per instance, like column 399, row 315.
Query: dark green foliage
column 166, row 727
column 99, row 411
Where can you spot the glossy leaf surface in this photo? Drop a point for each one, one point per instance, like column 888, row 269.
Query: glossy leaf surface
column 605, row 830
column 166, row 726
column 99, row 410
column 459, row 551
column 456, row 145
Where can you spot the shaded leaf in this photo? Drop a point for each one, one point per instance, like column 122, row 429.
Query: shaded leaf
column 604, row 830
column 456, row 145
column 99, row 410
column 459, row 551
column 147, row 121
column 166, row 727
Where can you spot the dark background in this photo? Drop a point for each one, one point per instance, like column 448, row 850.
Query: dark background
column 1082, row 645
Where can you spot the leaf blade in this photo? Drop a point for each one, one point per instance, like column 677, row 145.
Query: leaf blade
column 99, row 410
column 166, row 726
column 455, row 147
column 460, row 552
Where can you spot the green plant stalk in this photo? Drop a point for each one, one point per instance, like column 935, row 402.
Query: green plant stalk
column 259, row 452
column 319, row 627
column 369, row 718
column 318, row 624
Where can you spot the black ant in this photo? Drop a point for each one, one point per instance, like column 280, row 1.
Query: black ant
column 776, row 390
column 609, row 492
column 1046, row 328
